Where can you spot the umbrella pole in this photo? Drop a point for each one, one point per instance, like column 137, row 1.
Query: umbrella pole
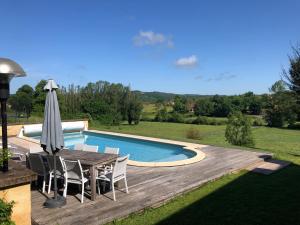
column 57, row 200
column 55, row 177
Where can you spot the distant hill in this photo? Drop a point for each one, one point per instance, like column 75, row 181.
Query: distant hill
column 153, row 96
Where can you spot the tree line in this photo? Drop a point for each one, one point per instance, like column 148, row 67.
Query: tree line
column 112, row 103
column 280, row 107
column 106, row 102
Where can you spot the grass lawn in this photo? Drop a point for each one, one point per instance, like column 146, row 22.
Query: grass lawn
column 235, row 199
column 284, row 143
column 243, row 198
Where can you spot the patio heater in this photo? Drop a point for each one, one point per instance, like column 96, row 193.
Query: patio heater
column 8, row 70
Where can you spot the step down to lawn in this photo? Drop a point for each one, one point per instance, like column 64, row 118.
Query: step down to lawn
column 268, row 167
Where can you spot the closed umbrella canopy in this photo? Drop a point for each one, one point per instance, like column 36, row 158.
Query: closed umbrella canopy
column 52, row 139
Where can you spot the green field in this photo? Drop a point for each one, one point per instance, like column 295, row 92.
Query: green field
column 243, row 198
column 150, row 110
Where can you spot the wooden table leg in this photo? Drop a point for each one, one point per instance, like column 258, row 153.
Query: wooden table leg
column 93, row 183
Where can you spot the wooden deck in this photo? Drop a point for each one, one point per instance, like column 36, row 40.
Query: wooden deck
column 147, row 187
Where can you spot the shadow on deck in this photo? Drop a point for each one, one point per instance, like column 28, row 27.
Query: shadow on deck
column 148, row 187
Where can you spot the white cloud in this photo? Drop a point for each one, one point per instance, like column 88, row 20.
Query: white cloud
column 190, row 61
column 152, row 38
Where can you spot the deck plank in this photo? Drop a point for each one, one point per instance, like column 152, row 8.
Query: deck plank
column 147, row 186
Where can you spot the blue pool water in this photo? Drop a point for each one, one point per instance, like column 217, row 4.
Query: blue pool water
column 139, row 150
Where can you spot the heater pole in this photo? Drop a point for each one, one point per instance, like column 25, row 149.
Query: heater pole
column 4, row 136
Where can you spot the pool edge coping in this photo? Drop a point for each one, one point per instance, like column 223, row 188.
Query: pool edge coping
column 196, row 148
column 186, row 145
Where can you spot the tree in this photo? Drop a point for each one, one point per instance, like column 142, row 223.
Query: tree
column 280, row 108
column 251, row 103
column 238, row 130
column 134, row 110
column 22, row 101
column 39, row 97
column 161, row 115
column 278, row 87
column 222, row 106
column 292, row 75
column 179, row 104
column 204, row 107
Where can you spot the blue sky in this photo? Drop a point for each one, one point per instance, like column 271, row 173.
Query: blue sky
column 200, row 47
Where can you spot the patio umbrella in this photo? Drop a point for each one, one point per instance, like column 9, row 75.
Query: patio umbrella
column 52, row 140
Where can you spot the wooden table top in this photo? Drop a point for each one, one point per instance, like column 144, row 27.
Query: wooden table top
column 87, row 158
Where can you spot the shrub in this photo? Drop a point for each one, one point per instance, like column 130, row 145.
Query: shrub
column 258, row 122
column 189, row 120
column 193, row 133
column 238, row 130
column 147, row 119
column 5, row 212
column 176, row 118
column 213, row 122
column 161, row 115
column 203, row 120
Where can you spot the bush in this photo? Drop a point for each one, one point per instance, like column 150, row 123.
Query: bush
column 189, row 120
column 258, row 122
column 5, row 212
column 203, row 120
column 193, row 133
column 161, row 115
column 238, row 130
column 176, row 118
column 147, row 119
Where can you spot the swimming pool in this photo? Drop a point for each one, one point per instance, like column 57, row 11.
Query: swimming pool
column 139, row 150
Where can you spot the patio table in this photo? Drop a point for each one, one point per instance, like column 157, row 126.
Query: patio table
column 90, row 160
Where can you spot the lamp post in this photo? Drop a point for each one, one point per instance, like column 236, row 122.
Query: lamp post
column 8, row 70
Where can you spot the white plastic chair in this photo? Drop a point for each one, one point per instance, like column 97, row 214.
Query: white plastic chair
column 90, row 148
column 60, row 170
column 118, row 173
column 106, row 168
column 74, row 175
column 37, row 165
column 35, row 149
column 111, row 150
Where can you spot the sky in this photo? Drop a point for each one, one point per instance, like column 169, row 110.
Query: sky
column 192, row 47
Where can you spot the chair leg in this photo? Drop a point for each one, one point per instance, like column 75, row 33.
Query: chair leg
column 126, row 187
column 113, row 190
column 82, row 192
column 49, row 184
column 103, row 185
column 66, row 189
column 98, row 188
column 44, row 184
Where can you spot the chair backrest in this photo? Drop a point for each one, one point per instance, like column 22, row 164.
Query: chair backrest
column 90, row 148
column 79, row 146
column 74, row 169
column 35, row 149
column 120, row 166
column 36, row 163
column 60, row 166
column 111, row 150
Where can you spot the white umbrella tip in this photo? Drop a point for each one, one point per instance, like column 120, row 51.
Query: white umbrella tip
column 50, row 85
